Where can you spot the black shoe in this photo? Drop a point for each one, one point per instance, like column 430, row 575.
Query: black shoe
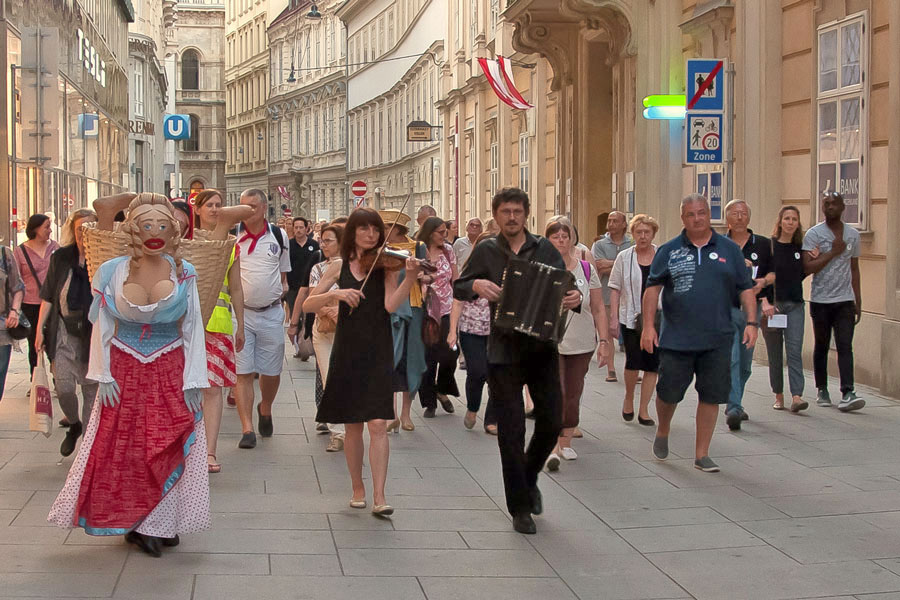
column 529, row 414
column 644, row 421
column 265, row 423
column 64, row 423
column 68, row 444
column 628, row 416
column 733, row 419
column 744, row 415
column 429, row 412
column 248, row 440
column 523, row 523
column 171, row 542
column 446, row 403
column 148, row 544
column 537, row 501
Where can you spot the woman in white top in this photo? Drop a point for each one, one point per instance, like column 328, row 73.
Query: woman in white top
column 585, row 333
column 627, row 282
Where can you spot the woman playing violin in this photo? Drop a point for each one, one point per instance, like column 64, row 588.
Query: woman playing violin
column 358, row 387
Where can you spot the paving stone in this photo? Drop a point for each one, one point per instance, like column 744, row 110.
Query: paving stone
column 450, row 520
column 399, row 539
column 689, row 537
column 495, row 540
column 256, row 541
column 57, row 585
column 462, row 563
column 236, row 587
column 768, row 573
column 625, row 519
column 827, row 539
column 305, row 564
column 494, row 588
column 61, row 559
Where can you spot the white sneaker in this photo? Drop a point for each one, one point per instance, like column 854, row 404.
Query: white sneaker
column 568, row 453
column 552, row 463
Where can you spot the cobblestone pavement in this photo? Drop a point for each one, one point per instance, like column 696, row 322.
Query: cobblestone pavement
column 806, row 506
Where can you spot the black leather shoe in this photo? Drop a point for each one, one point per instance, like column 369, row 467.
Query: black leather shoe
column 644, row 421
column 248, row 440
column 68, row 444
column 265, row 423
column 523, row 523
column 733, row 420
column 446, row 403
column 744, row 415
column 150, row 545
column 171, row 542
column 537, row 501
column 628, row 416
column 429, row 413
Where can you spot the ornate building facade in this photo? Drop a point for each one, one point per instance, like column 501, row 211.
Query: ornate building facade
column 395, row 50
column 246, row 93
column 199, row 50
column 307, row 110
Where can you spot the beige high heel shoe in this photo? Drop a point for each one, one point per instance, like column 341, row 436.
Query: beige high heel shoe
column 407, row 426
column 394, row 426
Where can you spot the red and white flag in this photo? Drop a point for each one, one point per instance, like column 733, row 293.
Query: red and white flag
column 284, row 193
column 500, row 77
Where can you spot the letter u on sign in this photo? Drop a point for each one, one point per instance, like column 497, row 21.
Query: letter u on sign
column 177, row 127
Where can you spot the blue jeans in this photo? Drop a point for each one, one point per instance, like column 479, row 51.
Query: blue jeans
column 741, row 361
column 5, row 353
column 474, row 349
column 790, row 339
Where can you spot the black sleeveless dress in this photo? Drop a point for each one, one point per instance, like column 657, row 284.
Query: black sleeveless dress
column 358, row 388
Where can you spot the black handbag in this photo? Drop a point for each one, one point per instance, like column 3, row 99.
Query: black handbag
column 23, row 329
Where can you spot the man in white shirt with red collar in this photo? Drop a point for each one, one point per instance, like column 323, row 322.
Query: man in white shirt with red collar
column 265, row 262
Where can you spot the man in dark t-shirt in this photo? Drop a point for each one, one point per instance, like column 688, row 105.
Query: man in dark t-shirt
column 700, row 274
column 304, row 254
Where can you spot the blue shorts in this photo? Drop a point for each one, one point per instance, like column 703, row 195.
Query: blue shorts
column 712, row 369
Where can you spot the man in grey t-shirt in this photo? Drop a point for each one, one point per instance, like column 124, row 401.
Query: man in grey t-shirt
column 831, row 253
column 605, row 251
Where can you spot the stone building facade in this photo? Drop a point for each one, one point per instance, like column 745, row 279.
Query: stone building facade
column 395, row 50
column 199, row 50
column 307, row 110
column 816, row 106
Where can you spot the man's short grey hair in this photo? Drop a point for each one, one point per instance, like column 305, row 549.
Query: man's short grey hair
column 427, row 208
column 617, row 213
column 692, row 198
column 258, row 193
column 734, row 203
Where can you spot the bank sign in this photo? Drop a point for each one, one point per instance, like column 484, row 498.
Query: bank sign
column 177, row 127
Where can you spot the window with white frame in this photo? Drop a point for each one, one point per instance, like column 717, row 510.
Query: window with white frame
column 842, row 126
column 494, row 18
column 473, row 22
column 138, row 88
column 390, row 133
column 470, row 176
column 524, row 160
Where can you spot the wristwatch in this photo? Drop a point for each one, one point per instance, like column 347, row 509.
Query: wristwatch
column 753, row 323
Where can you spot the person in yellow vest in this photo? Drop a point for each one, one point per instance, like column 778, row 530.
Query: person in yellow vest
column 224, row 337
column 406, row 323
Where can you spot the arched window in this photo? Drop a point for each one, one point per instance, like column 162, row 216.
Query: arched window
column 190, row 70
column 192, row 144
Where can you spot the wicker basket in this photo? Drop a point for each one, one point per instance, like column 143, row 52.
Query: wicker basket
column 209, row 257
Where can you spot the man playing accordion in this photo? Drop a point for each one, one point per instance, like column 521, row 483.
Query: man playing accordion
column 516, row 359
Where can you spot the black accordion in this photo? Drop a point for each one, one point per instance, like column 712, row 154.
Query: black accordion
column 531, row 299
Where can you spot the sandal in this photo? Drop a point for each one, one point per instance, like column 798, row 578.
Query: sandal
column 611, row 378
column 213, row 467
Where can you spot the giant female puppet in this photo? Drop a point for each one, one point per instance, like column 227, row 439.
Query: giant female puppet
column 141, row 470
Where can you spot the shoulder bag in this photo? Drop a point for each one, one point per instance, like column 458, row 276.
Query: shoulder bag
column 20, row 331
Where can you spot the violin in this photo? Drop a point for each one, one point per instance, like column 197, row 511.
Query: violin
column 389, row 259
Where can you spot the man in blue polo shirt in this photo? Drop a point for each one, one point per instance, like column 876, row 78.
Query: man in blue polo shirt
column 700, row 275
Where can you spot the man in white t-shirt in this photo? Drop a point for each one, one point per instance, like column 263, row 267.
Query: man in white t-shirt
column 265, row 262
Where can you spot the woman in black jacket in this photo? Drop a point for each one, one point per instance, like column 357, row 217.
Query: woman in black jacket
column 63, row 327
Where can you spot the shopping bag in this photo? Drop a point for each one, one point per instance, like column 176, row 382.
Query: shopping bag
column 41, row 413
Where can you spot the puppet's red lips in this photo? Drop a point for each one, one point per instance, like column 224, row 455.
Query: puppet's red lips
column 155, row 243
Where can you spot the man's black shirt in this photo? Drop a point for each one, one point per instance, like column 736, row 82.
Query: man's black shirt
column 302, row 260
column 758, row 250
column 488, row 261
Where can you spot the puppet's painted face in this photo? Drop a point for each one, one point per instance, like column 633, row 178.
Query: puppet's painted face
column 155, row 230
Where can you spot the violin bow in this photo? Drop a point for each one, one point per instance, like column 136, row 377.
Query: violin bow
column 386, row 238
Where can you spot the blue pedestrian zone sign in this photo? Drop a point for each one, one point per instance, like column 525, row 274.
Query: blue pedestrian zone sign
column 704, row 139
column 177, row 127
column 705, row 84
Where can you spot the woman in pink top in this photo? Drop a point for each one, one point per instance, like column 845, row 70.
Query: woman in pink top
column 439, row 379
column 33, row 260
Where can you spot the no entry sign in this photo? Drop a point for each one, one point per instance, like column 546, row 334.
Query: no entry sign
column 359, row 188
